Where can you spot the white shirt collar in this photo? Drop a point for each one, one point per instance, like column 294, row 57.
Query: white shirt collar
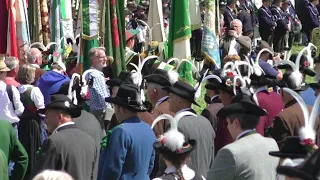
column 186, row 171
column 182, row 110
column 62, row 125
column 243, row 132
column 213, row 97
column 161, row 100
column 23, row 87
column 35, row 65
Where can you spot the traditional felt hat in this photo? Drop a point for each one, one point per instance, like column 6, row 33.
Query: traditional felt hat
column 241, row 103
column 289, row 82
column 292, row 148
column 173, row 142
column 62, row 102
column 129, row 97
column 261, row 44
column 184, row 90
column 123, row 78
column 3, row 66
column 308, row 170
column 262, row 80
column 131, row 33
column 162, row 77
column 304, row 65
column 315, row 86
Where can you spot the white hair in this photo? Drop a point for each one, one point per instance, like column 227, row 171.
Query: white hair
column 237, row 21
column 53, row 175
column 94, row 52
column 12, row 62
column 32, row 55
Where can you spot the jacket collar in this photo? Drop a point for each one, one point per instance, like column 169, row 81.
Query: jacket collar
column 187, row 109
column 290, row 103
column 161, row 100
column 134, row 119
column 64, row 126
column 215, row 99
column 246, row 133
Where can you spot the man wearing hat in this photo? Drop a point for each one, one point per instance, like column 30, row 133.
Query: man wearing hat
column 127, row 150
column 130, row 55
column 86, row 122
column 267, row 23
column 68, row 148
column 247, row 157
column 267, row 99
column 181, row 98
column 265, row 57
column 159, row 100
column 288, row 121
column 157, row 96
column 226, row 95
column 213, row 101
column 124, row 78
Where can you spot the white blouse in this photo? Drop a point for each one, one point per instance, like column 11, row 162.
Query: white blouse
column 188, row 173
column 35, row 95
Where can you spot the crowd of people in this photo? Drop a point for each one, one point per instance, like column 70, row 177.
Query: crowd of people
column 261, row 119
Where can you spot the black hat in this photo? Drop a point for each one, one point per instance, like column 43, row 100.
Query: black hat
column 62, row 102
column 241, row 103
column 315, row 86
column 308, row 170
column 212, row 83
column 227, row 83
column 188, row 147
column 123, row 78
column 262, row 80
column 128, row 96
column 159, row 76
column 304, row 65
column 288, row 82
column 261, row 44
column 183, row 90
column 292, row 148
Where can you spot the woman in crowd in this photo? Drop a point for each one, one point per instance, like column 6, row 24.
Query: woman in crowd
column 29, row 126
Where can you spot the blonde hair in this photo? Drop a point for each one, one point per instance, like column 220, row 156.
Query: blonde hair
column 53, row 175
column 26, row 74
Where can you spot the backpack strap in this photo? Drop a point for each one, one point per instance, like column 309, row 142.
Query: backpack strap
column 10, row 95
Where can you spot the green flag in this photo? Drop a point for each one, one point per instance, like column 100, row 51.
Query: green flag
column 89, row 38
column 179, row 36
column 114, row 35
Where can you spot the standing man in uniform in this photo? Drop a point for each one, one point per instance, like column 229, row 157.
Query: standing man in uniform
column 266, row 22
column 246, row 18
column 311, row 20
column 229, row 14
column 281, row 28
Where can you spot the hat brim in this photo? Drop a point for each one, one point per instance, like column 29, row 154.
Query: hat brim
column 74, row 111
column 117, row 101
column 294, row 172
column 114, row 82
column 315, row 85
column 302, row 88
column 6, row 69
column 309, row 72
column 158, row 79
column 177, row 92
column 287, row 155
column 211, row 86
column 241, row 108
column 186, row 149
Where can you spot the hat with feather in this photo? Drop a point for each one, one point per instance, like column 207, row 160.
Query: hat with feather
column 173, row 142
column 162, row 77
column 307, row 135
column 307, row 170
column 292, row 79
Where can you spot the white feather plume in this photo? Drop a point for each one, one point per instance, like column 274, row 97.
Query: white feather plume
column 40, row 45
column 173, row 76
column 199, row 84
column 307, row 131
column 172, row 139
column 72, row 94
column 229, row 66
